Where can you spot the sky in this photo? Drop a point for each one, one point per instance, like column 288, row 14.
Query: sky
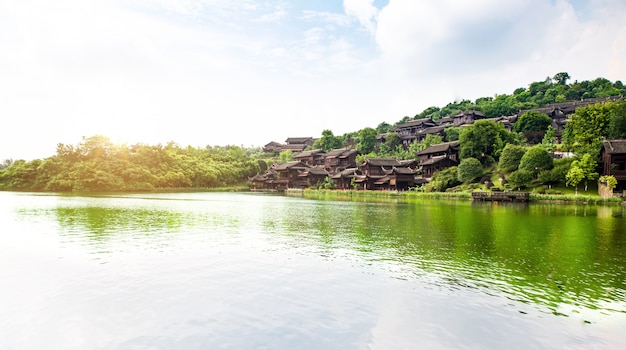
column 247, row 72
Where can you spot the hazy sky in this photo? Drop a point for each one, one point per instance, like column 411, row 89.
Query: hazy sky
column 246, row 72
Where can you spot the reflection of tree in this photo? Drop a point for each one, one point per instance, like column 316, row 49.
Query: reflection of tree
column 539, row 254
column 104, row 223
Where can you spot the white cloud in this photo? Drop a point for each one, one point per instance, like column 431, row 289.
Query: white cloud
column 219, row 72
column 490, row 45
column 364, row 11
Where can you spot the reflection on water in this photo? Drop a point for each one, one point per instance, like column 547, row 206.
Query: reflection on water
column 549, row 255
column 558, row 259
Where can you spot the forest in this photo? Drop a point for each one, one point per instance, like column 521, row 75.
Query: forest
column 97, row 164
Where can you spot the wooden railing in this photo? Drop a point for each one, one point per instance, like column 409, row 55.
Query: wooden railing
column 501, row 196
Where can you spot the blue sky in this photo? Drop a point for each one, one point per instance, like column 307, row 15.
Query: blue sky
column 217, row 72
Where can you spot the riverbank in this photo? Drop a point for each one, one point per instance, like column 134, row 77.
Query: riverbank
column 534, row 197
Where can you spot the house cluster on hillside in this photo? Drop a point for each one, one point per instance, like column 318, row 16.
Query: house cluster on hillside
column 314, row 168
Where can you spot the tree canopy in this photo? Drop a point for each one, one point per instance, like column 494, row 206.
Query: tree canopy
column 97, row 164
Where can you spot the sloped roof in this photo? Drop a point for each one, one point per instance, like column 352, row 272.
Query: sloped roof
column 294, row 147
column 340, row 153
column 435, row 160
column 403, row 171
column 417, row 122
column 290, row 165
column 318, row 171
column 438, row 148
column 473, row 113
column 309, row 153
column 408, row 163
column 296, row 140
column 390, row 162
column 614, row 146
column 432, row 130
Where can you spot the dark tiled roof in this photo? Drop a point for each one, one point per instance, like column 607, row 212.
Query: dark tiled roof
column 294, row 147
column 340, row 153
column 416, row 122
column 408, row 163
column 404, row 171
column 438, row 148
column 473, row 113
column 432, row 130
column 296, row 140
column 435, row 160
column 290, row 165
column 614, row 146
column 318, row 171
column 382, row 162
column 310, row 153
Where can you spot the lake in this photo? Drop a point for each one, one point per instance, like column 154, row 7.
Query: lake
column 263, row 271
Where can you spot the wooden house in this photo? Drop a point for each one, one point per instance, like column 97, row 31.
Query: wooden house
column 468, row 117
column 387, row 174
column 408, row 132
column 434, row 164
column 314, row 176
column 438, row 157
column 448, row 149
column 340, row 159
column 348, row 179
column 433, row 130
column 288, row 175
column 311, row 158
column 273, row 147
column 614, row 161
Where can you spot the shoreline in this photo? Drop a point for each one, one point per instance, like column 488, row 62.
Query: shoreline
column 354, row 194
column 534, row 198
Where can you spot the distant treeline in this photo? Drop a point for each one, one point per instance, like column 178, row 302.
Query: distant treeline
column 96, row 164
column 538, row 94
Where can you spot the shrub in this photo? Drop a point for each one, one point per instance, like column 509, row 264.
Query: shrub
column 535, row 160
column 469, row 169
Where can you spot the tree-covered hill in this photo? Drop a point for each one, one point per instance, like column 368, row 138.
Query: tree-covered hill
column 537, row 94
column 97, row 164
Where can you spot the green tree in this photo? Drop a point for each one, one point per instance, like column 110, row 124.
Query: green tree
column 392, row 141
column 535, row 160
column 520, row 178
column 510, row 157
column 574, row 176
column 561, row 78
column 430, row 140
column 452, row 133
column 533, row 125
column 328, row 141
column 367, row 140
column 587, row 165
column 483, row 140
column 469, row 169
column 617, row 124
column 443, row 179
column 587, row 127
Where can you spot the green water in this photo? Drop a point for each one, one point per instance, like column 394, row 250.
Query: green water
column 221, row 270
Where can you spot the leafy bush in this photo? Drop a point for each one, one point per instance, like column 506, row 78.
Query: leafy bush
column 469, row 169
column 535, row 160
column 520, row 178
column 511, row 157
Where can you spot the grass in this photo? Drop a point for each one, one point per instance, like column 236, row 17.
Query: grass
column 464, row 192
